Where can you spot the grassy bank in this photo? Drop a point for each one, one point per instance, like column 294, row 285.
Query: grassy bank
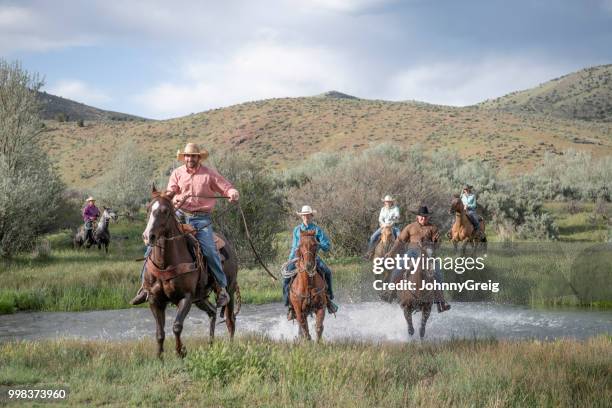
column 258, row 372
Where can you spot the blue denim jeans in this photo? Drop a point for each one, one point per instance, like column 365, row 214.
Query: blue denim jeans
column 376, row 236
column 327, row 274
column 415, row 253
column 207, row 245
column 474, row 218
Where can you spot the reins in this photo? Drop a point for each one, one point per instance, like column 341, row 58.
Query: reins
column 246, row 227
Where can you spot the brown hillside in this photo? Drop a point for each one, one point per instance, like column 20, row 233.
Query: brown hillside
column 282, row 131
column 586, row 94
column 52, row 106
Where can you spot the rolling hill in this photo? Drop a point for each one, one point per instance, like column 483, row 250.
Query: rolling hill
column 52, row 106
column 286, row 130
column 586, row 94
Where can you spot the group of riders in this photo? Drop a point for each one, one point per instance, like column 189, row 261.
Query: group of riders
column 195, row 186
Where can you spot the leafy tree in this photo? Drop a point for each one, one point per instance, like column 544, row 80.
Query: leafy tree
column 30, row 188
column 127, row 183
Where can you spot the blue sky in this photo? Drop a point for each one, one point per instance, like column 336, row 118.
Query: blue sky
column 162, row 59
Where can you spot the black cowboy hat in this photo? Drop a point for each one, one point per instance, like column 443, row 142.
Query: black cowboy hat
column 424, row 211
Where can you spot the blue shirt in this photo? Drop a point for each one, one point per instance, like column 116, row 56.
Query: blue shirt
column 320, row 236
column 469, row 200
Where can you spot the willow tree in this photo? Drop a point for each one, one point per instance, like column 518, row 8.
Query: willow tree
column 30, row 190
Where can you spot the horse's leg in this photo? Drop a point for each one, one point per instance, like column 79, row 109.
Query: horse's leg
column 320, row 317
column 212, row 322
column 463, row 246
column 454, row 246
column 303, row 322
column 159, row 313
column 408, row 316
column 425, row 312
column 230, row 319
column 183, row 308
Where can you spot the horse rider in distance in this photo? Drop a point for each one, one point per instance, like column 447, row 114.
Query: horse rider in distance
column 389, row 215
column 468, row 198
column 307, row 224
column 196, row 184
column 90, row 215
column 415, row 234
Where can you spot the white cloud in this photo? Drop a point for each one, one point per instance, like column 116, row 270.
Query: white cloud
column 345, row 6
column 79, row 91
column 462, row 83
column 256, row 71
column 32, row 29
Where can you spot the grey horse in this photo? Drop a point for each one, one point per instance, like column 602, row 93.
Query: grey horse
column 101, row 235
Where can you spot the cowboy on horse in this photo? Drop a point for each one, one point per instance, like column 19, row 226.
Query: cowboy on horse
column 389, row 216
column 194, row 186
column 468, row 198
column 415, row 235
column 90, row 215
column 307, row 224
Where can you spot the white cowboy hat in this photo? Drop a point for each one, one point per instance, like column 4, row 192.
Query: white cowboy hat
column 306, row 209
column 90, row 198
column 388, row 198
column 191, row 148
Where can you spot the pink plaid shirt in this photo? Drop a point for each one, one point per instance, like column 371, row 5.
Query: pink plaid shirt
column 203, row 181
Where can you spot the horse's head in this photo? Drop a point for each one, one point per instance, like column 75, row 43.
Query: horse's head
column 456, row 205
column 386, row 234
column 307, row 251
column 160, row 217
column 109, row 213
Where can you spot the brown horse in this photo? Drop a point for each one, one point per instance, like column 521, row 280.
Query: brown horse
column 418, row 299
column 172, row 276
column 307, row 292
column 384, row 246
column 463, row 230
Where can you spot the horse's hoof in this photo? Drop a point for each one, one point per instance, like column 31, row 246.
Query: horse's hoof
column 422, row 332
column 182, row 352
column 410, row 331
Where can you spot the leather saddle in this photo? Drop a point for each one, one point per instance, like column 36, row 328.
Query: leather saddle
column 189, row 229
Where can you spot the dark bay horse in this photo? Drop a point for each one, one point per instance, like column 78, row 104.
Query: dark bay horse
column 463, row 231
column 307, row 292
column 172, row 276
column 418, row 299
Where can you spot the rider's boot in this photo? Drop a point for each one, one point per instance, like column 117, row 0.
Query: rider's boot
column 332, row 307
column 222, row 298
column 441, row 302
column 140, row 297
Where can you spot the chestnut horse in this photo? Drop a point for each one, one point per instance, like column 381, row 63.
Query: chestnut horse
column 384, row 245
column 463, row 230
column 307, row 292
column 418, row 299
column 177, row 279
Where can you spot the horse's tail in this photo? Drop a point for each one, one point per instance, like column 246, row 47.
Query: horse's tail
column 237, row 300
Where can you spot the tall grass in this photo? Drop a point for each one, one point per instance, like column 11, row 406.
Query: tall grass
column 259, row 372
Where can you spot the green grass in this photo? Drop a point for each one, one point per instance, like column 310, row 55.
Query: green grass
column 260, row 372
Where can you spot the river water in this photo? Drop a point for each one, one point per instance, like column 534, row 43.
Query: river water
column 371, row 321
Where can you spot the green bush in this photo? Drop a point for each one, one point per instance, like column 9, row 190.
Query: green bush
column 263, row 202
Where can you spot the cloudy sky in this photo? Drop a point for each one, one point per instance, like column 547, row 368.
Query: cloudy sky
column 162, row 59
